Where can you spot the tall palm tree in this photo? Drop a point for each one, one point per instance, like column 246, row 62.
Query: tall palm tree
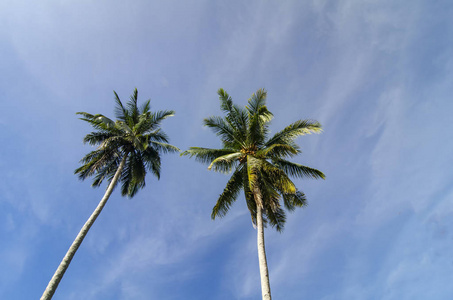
column 259, row 164
column 127, row 149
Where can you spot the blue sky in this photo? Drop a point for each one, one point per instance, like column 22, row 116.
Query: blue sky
column 378, row 75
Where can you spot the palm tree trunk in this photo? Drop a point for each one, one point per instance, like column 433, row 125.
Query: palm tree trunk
column 53, row 284
column 264, row 273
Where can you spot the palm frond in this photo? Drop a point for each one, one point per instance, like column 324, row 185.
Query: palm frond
column 257, row 101
column 164, row 147
column 236, row 117
column 157, row 117
column 275, row 215
column 229, row 194
column 298, row 170
column 95, row 161
column 143, row 123
column 151, row 158
column 132, row 108
column 294, row 130
column 249, row 198
column 292, row 201
column 145, row 108
column 113, row 142
column 239, row 120
column 225, row 163
column 123, row 126
column 258, row 127
column 98, row 121
column 107, row 171
column 206, row 155
column 276, row 218
column 133, row 175
column 97, row 137
column 226, row 103
column 277, row 178
column 157, row 136
column 222, row 129
column 277, row 150
column 120, row 112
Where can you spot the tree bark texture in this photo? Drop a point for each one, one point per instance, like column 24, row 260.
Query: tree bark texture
column 264, row 272
column 53, row 284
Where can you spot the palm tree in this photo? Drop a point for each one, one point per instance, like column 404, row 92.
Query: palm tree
column 127, row 149
column 260, row 166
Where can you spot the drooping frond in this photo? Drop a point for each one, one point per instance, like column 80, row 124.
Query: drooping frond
column 106, row 172
column 292, row 201
column 133, row 175
column 152, row 161
column 157, row 136
column 206, row 155
column 113, row 142
column 164, row 147
column 277, row 178
column 298, row 170
column 97, row 137
column 229, row 194
column 225, row 163
column 95, row 161
column 276, row 217
column 98, row 121
column 249, row 198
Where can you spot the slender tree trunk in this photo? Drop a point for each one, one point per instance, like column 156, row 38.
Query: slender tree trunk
column 264, row 273
column 53, row 284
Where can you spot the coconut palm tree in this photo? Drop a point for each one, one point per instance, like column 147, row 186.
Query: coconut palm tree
column 259, row 165
column 126, row 149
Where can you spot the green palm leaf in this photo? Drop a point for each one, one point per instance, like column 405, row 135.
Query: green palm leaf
column 294, row 130
column 298, row 170
column 206, row 155
column 225, row 163
column 229, row 194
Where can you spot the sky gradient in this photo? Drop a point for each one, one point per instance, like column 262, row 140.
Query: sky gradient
column 378, row 75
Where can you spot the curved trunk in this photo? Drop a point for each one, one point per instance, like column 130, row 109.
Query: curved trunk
column 264, row 272
column 53, row 284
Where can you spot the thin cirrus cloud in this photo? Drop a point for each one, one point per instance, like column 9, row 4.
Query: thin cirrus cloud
column 376, row 75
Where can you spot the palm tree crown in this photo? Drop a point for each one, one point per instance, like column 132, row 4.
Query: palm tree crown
column 134, row 136
column 126, row 149
column 259, row 162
